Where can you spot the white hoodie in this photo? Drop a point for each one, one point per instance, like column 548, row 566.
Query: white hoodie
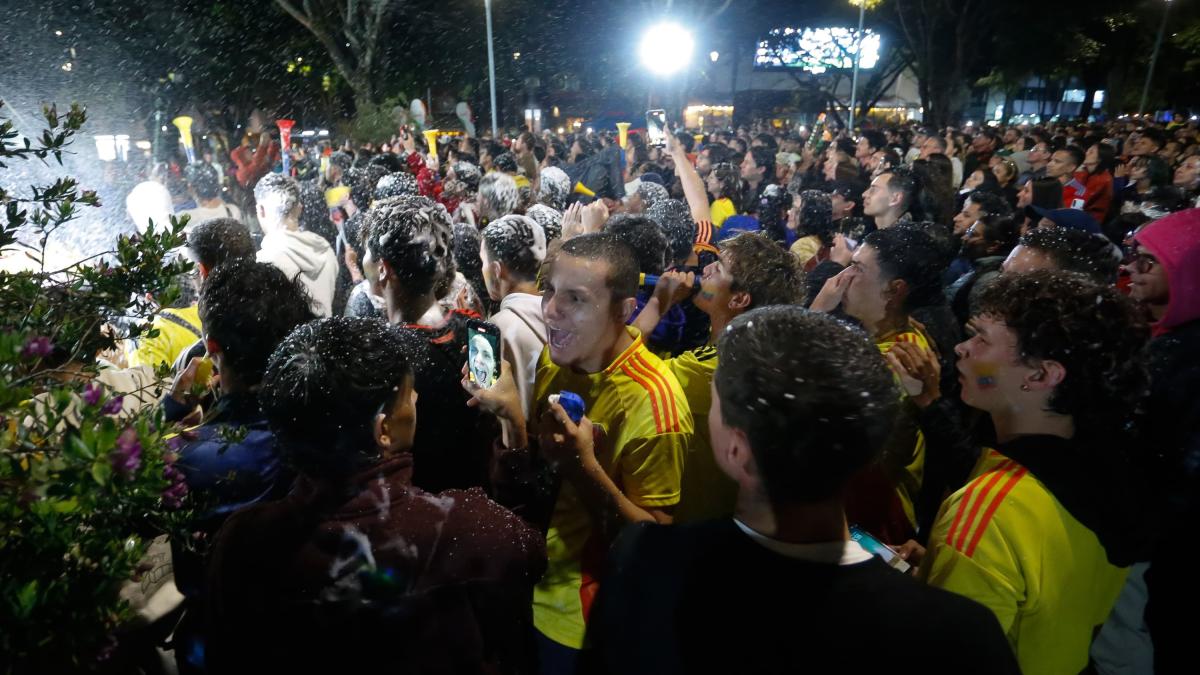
column 522, row 335
column 307, row 256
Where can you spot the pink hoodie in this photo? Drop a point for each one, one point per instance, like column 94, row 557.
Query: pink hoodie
column 1175, row 241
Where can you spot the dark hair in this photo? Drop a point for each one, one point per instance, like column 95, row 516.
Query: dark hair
column 990, row 203
column 1090, row 328
column 1157, row 170
column 203, row 179
column 622, row 279
column 1155, row 135
column 875, row 139
column 764, row 269
column 314, row 215
column 764, row 159
column 717, row 153
column 742, row 146
column 903, row 180
column 644, row 238
column 247, row 307
column 392, row 163
column 941, row 142
column 354, row 233
column 816, row 215
column 1108, row 157
column 767, row 140
column 512, row 241
column 219, row 240
column 1075, row 251
column 1001, row 229
column 1047, row 193
column 325, row 384
column 506, row 162
column 685, row 139
column 915, row 257
column 730, row 180
column 1075, row 153
column 414, row 237
column 675, row 220
column 816, row 407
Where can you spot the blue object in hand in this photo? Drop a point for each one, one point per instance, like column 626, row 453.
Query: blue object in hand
column 573, row 404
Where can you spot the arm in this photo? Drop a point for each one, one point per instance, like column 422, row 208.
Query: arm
column 693, row 185
column 671, row 289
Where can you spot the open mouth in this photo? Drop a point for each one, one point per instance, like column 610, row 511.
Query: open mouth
column 560, row 339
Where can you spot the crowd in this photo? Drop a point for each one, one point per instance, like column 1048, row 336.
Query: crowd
column 905, row 398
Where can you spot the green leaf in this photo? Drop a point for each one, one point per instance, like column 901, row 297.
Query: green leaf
column 80, row 447
column 27, row 598
column 102, row 471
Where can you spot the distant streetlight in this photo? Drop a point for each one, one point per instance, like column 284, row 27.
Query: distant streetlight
column 666, row 48
column 713, row 56
column 1154, row 58
column 858, row 37
column 487, row 7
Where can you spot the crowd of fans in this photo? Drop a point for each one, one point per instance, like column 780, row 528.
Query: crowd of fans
column 852, row 401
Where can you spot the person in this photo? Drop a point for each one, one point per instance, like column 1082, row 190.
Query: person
column 632, row 473
column 1039, row 158
column 411, row 241
column 1097, row 177
column 1187, row 176
column 869, row 143
column 1005, row 171
column 845, row 199
column 1057, row 248
column 512, row 251
column 811, row 218
column 724, row 183
column 986, row 244
column 498, row 196
column 1063, row 166
column 1146, row 173
column 1050, row 517
column 891, row 274
column 204, row 183
column 209, row 244
column 709, row 156
column 750, row 271
column 983, row 146
column 229, row 460
column 758, row 171
column 177, row 327
column 890, row 197
column 1150, row 141
column 300, row 254
column 357, row 567
column 1044, row 193
column 1068, row 218
column 1163, row 265
column 791, row 451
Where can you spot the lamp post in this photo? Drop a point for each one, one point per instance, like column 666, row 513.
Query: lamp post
column 1154, row 58
column 862, row 12
column 487, row 6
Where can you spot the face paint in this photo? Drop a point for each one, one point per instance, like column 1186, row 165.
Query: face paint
column 985, row 376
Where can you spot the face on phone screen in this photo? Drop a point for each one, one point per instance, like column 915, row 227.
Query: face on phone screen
column 483, row 355
column 656, row 127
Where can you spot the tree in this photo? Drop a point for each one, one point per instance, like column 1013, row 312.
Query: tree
column 350, row 31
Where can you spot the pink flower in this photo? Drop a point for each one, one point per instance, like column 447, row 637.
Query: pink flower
column 37, row 347
column 114, row 405
column 92, row 393
column 127, row 456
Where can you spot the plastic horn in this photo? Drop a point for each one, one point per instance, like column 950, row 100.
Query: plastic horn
column 431, row 140
column 699, row 138
column 623, row 134
column 285, row 142
column 582, row 189
column 184, row 124
column 649, row 280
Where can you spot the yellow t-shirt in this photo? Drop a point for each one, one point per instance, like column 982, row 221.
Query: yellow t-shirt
column 905, row 461
column 720, row 210
column 1007, row 543
column 178, row 329
column 647, row 429
column 707, row 492
column 805, row 248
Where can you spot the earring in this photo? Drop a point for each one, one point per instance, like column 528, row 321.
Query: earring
column 1024, row 387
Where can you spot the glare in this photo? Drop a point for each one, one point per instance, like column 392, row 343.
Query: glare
column 58, row 33
column 67, row 66
column 666, row 48
column 713, row 56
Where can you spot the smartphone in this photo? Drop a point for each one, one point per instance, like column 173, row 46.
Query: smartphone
column 656, row 128
column 483, row 352
column 878, row 549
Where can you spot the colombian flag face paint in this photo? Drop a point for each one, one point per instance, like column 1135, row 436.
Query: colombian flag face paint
column 985, row 375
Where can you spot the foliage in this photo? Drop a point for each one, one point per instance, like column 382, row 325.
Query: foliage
column 85, row 481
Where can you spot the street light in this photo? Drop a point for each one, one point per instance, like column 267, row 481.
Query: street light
column 858, row 39
column 1154, row 58
column 487, row 6
column 666, row 48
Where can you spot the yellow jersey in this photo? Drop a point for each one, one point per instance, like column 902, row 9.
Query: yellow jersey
column 647, row 428
column 707, row 492
column 904, row 457
column 720, row 210
column 1007, row 543
column 178, row 329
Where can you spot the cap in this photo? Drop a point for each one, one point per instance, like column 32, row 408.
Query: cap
column 1071, row 219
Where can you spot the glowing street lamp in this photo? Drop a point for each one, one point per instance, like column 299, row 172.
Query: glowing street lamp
column 666, row 48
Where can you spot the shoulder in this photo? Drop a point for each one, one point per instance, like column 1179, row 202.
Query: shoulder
column 981, row 508
column 488, row 529
column 648, row 386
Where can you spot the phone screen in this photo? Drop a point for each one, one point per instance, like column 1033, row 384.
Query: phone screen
column 656, row 127
column 878, row 549
column 483, row 353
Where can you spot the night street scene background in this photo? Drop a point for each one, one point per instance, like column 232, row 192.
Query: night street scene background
column 599, row 336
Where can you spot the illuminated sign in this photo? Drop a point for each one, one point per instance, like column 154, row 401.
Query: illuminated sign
column 816, row 50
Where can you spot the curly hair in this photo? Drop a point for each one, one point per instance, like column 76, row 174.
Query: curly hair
column 498, row 194
column 396, row 184
column 816, row 215
column 729, row 177
column 414, row 236
column 1090, row 328
column 675, row 220
column 765, row 270
column 643, row 237
column 1076, row 251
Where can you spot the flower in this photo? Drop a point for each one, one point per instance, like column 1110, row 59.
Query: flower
column 37, row 347
column 127, row 456
column 173, row 496
column 92, row 393
column 114, row 405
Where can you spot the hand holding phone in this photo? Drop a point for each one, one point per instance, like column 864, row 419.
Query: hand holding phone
column 656, row 128
column 878, row 549
column 483, row 353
